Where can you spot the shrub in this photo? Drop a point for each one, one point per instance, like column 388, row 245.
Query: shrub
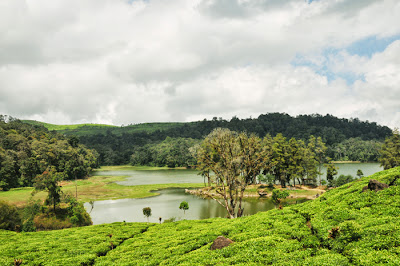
column 10, row 218
column 341, row 180
column 278, row 195
column 184, row 206
column 147, row 212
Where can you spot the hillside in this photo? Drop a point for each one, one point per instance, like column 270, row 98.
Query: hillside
column 347, row 139
column 27, row 151
column 344, row 226
column 93, row 129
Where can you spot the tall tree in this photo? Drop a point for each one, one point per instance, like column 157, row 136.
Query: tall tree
column 331, row 171
column 221, row 152
column 319, row 149
column 49, row 181
column 390, row 152
column 277, row 163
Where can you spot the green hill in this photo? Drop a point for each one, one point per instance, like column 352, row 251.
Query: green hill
column 93, row 129
column 347, row 139
column 344, row 226
column 67, row 127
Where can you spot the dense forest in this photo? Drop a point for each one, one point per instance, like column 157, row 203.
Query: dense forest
column 346, row 139
column 28, row 151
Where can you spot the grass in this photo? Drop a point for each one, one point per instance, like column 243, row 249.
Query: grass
column 21, row 196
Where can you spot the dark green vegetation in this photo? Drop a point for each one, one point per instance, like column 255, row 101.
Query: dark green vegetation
column 30, row 155
column 390, row 152
column 238, row 159
column 170, row 152
column 68, row 128
column 344, row 226
column 35, row 216
column 346, row 139
column 27, row 151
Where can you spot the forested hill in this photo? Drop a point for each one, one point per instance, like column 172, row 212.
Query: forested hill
column 27, row 151
column 330, row 128
column 344, row 137
column 356, row 224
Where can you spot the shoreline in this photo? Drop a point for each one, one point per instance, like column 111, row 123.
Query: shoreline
column 262, row 192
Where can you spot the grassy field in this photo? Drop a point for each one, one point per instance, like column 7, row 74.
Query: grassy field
column 345, row 226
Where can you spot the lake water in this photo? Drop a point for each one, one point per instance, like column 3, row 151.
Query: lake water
column 166, row 205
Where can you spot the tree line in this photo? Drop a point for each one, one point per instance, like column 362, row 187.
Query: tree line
column 346, row 139
column 237, row 160
column 231, row 161
column 27, row 151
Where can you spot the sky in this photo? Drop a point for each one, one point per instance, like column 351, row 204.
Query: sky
column 124, row 62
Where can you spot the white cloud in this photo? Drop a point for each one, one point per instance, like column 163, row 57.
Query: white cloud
column 121, row 62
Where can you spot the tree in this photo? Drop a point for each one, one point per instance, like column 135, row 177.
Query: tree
column 319, row 149
column 294, row 159
column 147, row 212
column 277, row 163
column 223, row 152
column 184, row 206
column 331, row 171
column 49, row 181
column 390, row 152
column 10, row 218
column 360, row 173
column 308, row 163
column 278, row 195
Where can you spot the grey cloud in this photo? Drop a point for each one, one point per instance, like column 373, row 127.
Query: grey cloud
column 122, row 63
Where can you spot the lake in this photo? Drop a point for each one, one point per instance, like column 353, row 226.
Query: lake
column 166, row 205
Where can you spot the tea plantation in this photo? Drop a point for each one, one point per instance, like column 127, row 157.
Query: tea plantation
column 345, row 226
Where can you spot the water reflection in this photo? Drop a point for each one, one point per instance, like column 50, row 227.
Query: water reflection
column 166, row 205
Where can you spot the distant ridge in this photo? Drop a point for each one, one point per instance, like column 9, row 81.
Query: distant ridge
column 116, row 144
column 63, row 127
column 92, row 129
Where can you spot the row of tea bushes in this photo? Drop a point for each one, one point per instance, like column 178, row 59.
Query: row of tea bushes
column 345, row 226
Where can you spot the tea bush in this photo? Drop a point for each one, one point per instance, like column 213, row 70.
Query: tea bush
column 344, row 226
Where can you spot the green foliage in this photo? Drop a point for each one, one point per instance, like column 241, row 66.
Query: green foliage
column 48, row 181
column 147, row 212
column 367, row 232
column 341, row 180
column 172, row 152
column 236, row 159
column 30, row 211
column 390, row 152
column 65, row 247
column 360, row 173
column 116, row 144
column 77, row 213
column 331, row 171
column 184, row 206
column 10, row 218
column 279, row 194
column 26, row 151
column 355, row 149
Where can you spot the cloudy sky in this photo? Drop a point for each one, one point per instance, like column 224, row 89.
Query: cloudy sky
column 123, row 61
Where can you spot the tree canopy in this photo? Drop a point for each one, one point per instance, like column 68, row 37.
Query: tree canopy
column 27, row 151
column 390, row 152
